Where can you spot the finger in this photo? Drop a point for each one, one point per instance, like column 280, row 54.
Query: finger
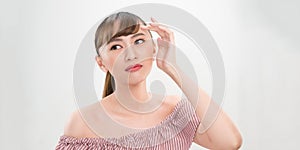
column 161, row 45
column 169, row 33
column 160, row 32
column 154, row 28
column 165, row 33
column 153, row 20
column 161, row 27
column 155, row 24
column 167, row 30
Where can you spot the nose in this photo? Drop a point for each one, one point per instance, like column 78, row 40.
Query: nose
column 130, row 53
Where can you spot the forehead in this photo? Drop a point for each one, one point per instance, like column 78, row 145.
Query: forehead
column 129, row 35
column 132, row 34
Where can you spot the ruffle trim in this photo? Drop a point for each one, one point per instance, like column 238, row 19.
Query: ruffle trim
column 175, row 122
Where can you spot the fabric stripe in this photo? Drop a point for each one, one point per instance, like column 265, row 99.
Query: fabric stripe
column 175, row 132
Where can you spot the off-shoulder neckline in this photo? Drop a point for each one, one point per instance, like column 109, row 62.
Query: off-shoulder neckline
column 95, row 139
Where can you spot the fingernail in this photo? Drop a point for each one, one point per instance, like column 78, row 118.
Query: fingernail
column 153, row 19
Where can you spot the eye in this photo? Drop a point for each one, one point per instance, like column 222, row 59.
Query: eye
column 139, row 41
column 114, row 47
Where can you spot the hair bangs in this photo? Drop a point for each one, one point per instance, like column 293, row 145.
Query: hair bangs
column 116, row 25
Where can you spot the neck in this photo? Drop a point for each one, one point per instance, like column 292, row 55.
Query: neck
column 136, row 92
column 136, row 98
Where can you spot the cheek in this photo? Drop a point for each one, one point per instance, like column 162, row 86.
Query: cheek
column 115, row 64
column 146, row 50
column 148, row 63
column 109, row 61
column 147, row 66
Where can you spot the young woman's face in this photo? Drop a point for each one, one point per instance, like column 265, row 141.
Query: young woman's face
column 122, row 52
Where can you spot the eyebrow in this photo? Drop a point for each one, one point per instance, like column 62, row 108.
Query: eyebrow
column 118, row 39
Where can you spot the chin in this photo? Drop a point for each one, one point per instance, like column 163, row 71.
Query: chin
column 135, row 82
column 137, row 78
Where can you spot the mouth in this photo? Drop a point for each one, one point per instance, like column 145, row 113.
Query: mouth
column 134, row 67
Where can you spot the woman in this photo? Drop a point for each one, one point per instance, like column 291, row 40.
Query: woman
column 126, row 51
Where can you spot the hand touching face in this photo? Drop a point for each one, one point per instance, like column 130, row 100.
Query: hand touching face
column 165, row 58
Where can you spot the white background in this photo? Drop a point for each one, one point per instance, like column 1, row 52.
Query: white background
column 259, row 41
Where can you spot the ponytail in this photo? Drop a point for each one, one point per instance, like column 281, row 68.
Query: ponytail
column 109, row 85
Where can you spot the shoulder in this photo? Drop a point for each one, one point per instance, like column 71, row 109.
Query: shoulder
column 173, row 100
column 76, row 126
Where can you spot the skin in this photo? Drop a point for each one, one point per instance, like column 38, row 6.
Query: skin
column 129, row 50
column 222, row 134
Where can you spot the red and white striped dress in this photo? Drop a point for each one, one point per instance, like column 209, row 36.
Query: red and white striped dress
column 176, row 131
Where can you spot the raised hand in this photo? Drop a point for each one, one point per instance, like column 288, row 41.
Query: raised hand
column 166, row 56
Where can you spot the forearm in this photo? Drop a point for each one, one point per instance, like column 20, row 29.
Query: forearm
column 190, row 88
column 214, row 121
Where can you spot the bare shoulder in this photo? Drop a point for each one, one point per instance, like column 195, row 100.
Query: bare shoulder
column 76, row 126
column 173, row 99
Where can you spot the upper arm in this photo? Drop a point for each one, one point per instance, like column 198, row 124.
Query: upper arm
column 202, row 139
column 216, row 129
column 224, row 139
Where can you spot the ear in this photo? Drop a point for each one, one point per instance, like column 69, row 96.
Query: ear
column 154, row 47
column 154, row 51
column 100, row 63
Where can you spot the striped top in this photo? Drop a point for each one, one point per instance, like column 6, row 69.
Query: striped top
column 176, row 131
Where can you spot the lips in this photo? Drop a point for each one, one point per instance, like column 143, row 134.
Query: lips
column 133, row 67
